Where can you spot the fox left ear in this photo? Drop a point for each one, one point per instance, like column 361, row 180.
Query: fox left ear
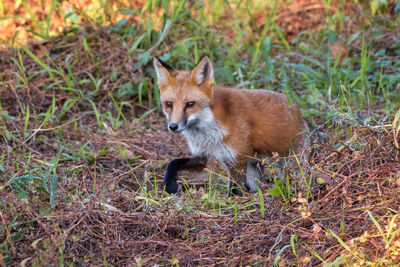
column 162, row 70
column 203, row 72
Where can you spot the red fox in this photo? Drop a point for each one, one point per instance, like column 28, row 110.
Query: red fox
column 228, row 125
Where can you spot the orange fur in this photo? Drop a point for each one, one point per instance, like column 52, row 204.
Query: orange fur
column 258, row 121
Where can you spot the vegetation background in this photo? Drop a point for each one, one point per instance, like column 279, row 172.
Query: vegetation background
column 83, row 142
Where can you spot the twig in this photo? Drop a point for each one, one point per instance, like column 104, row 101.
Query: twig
column 12, row 178
column 8, row 232
column 29, row 213
column 2, row 261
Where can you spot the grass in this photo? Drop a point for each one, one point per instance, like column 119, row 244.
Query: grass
column 84, row 146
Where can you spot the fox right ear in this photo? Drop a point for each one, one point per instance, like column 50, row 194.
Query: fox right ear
column 203, row 72
column 162, row 70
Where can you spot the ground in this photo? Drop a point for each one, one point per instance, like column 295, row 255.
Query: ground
column 84, row 143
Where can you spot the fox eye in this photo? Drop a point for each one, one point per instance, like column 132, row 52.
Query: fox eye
column 168, row 104
column 190, row 104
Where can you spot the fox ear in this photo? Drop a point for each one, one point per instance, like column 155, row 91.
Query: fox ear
column 203, row 72
column 162, row 70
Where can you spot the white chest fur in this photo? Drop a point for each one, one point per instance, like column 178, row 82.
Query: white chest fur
column 205, row 138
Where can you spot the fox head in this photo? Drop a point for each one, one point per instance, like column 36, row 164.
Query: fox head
column 185, row 95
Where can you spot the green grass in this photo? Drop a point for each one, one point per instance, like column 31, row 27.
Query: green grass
column 78, row 113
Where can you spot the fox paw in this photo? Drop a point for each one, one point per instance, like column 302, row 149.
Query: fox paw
column 172, row 187
column 234, row 192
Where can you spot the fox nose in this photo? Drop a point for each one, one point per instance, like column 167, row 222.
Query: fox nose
column 173, row 126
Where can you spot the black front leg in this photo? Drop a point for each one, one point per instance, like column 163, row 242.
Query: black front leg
column 176, row 165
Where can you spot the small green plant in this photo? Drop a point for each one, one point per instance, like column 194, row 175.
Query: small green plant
column 281, row 189
column 391, row 232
